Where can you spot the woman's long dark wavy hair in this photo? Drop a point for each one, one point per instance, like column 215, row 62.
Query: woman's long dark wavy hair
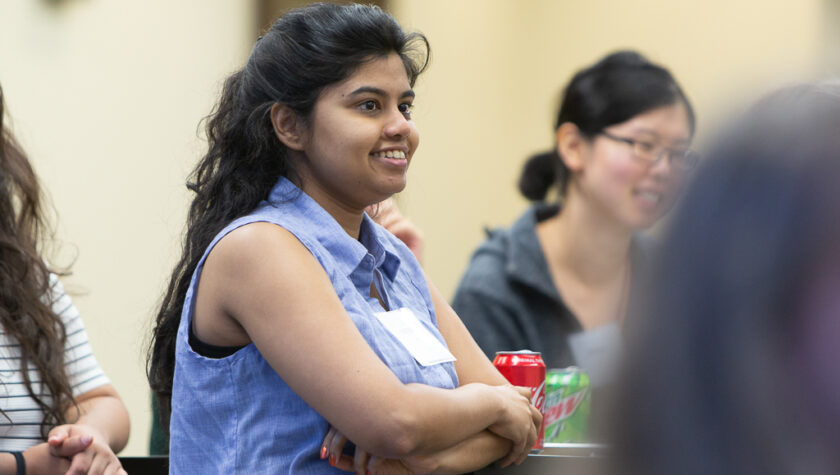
column 617, row 88
column 25, row 293
column 304, row 51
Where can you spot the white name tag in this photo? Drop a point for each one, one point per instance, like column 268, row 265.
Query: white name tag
column 419, row 341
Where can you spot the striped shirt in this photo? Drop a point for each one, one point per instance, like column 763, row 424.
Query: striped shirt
column 20, row 428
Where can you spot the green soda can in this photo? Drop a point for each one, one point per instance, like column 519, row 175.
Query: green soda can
column 567, row 402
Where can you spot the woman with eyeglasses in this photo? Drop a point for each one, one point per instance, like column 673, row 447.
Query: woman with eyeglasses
column 557, row 281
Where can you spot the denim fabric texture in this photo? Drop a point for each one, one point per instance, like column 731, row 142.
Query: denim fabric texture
column 236, row 414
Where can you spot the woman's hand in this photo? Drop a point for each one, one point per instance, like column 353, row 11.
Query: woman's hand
column 362, row 462
column 520, row 423
column 39, row 460
column 86, row 449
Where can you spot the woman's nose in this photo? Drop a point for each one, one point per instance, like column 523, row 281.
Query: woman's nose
column 397, row 125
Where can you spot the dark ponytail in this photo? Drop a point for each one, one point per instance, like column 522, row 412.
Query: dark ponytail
column 539, row 174
column 617, row 88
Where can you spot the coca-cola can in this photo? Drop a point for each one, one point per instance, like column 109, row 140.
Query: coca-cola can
column 525, row 368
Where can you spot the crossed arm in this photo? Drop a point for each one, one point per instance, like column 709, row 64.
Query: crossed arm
column 472, row 453
column 261, row 284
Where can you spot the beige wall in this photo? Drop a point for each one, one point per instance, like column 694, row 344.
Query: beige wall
column 107, row 94
column 106, row 97
column 490, row 96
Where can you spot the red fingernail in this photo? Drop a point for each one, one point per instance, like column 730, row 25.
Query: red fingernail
column 332, row 460
column 323, row 452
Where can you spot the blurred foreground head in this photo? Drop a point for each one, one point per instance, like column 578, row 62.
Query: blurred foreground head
column 734, row 367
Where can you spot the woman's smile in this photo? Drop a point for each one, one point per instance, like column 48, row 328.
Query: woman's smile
column 392, row 157
column 361, row 138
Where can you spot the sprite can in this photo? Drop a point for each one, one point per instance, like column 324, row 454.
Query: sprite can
column 567, row 402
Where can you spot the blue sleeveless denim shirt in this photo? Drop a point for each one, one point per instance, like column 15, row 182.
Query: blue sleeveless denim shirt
column 236, row 414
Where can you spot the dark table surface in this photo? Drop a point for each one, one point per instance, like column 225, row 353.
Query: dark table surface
column 151, row 465
column 565, row 459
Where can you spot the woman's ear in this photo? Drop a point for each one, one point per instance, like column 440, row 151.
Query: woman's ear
column 287, row 126
column 571, row 145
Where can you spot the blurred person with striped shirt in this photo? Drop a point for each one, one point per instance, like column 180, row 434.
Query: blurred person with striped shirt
column 58, row 411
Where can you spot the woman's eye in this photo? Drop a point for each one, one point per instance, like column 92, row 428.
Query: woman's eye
column 406, row 108
column 645, row 146
column 368, row 106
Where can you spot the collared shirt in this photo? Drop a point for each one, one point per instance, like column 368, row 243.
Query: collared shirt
column 235, row 414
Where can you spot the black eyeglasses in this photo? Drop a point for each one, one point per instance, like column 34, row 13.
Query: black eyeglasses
column 682, row 158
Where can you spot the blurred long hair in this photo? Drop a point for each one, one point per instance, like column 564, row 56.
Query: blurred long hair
column 25, row 294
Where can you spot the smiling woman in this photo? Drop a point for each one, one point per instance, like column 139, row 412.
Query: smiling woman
column 293, row 323
column 559, row 279
column 360, row 140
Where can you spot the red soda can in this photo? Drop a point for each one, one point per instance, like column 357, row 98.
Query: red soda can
column 525, row 368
